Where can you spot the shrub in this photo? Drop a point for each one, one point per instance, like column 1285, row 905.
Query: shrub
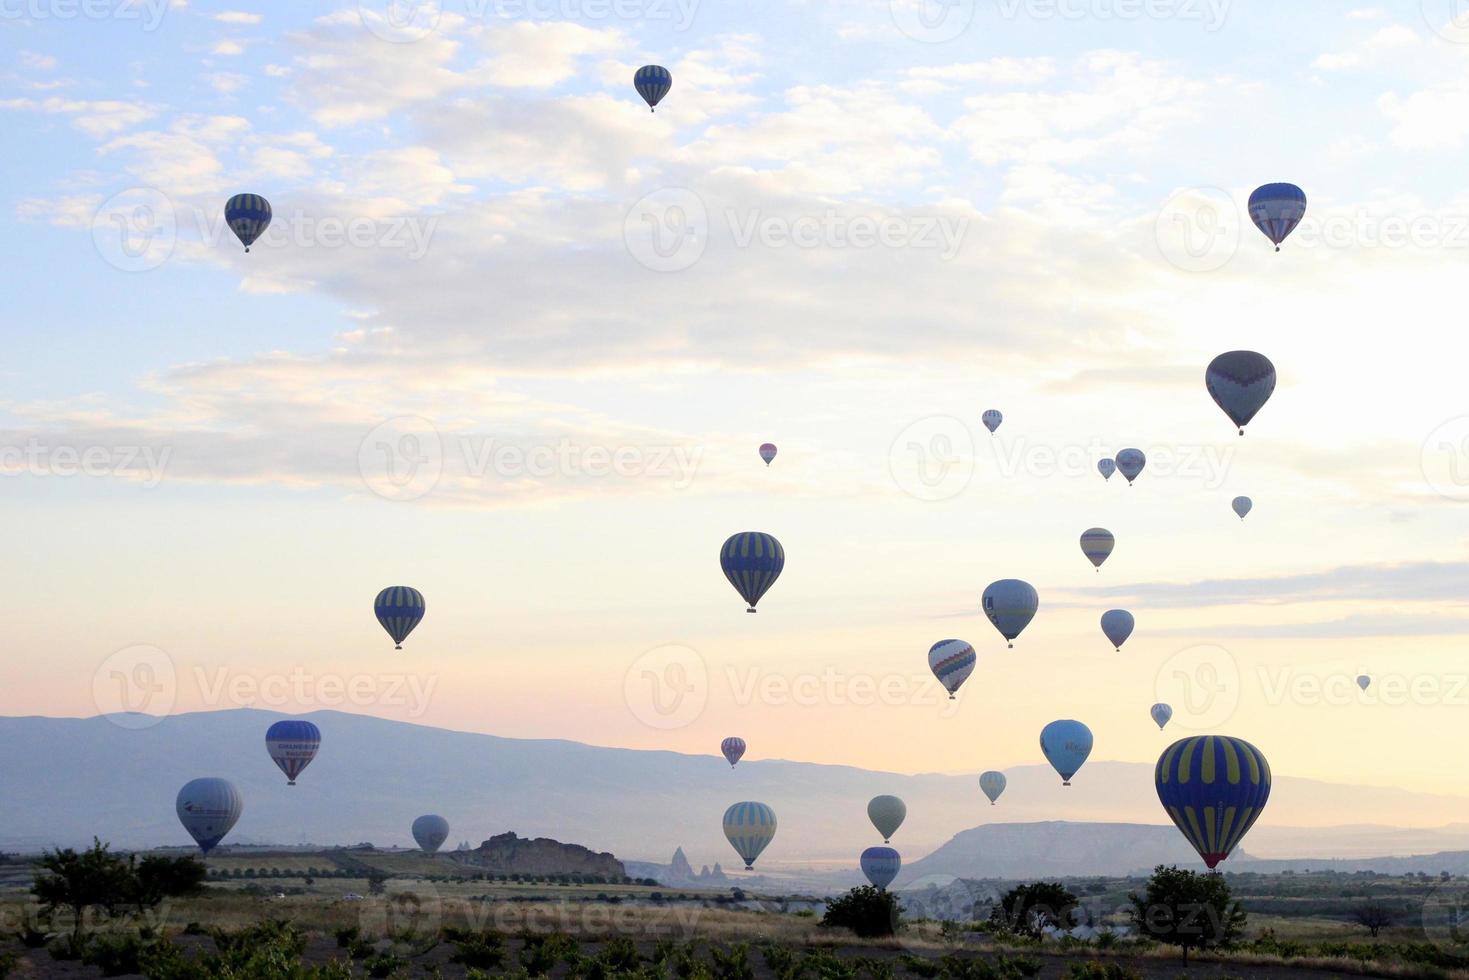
column 866, row 911
column 485, row 951
column 732, row 963
column 1029, row 910
column 1102, row 971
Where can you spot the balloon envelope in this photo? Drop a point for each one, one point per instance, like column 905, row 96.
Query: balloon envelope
column 1097, row 543
column 752, row 561
column 749, row 827
column 992, row 420
column 881, row 865
column 1117, row 626
column 430, row 831
column 952, row 661
column 399, row 609
column 1242, row 506
column 1107, row 467
column 992, row 784
column 652, row 83
column 248, row 215
column 767, row 452
column 733, row 748
column 1066, row 744
column 1363, row 681
column 1010, row 604
column 292, row 745
column 887, row 814
column 208, row 808
column 1130, row 463
column 1214, row 788
column 1276, row 209
column 1240, row 382
column 1161, row 714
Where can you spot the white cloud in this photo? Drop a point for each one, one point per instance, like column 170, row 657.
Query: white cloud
column 237, row 17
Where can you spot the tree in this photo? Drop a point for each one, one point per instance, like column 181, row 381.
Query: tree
column 77, row 881
column 376, row 882
column 1373, row 916
column 156, row 877
column 1031, row 909
column 866, row 911
column 1188, row 910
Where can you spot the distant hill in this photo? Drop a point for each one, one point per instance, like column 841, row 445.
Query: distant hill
column 65, row 779
column 508, row 854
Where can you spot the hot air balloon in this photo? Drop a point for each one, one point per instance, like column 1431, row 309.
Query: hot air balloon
column 430, row 831
column 1130, row 463
column 1066, row 744
column 752, row 562
column 208, row 808
column 1363, row 681
column 292, row 745
column 749, row 827
column 1214, row 788
column 1276, row 209
column 1117, row 626
column 1162, row 714
column 652, row 83
column 399, row 609
column 1010, row 604
column 1097, row 543
column 1107, row 467
column 733, row 749
column 1240, row 382
column 248, row 215
column 992, row 420
column 886, row 814
column 992, row 784
column 951, row 661
column 767, row 452
column 880, row 865
column 1242, row 506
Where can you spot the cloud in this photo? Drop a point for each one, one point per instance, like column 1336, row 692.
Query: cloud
column 1418, row 581
column 237, row 17
column 1342, row 628
column 98, row 119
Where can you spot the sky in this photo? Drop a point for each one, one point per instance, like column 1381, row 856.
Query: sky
column 514, row 340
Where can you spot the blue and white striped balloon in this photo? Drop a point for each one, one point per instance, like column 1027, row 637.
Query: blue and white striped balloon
column 752, row 561
column 652, row 83
column 1097, row 544
column 749, row 827
column 399, row 609
column 292, row 745
column 1276, row 209
column 248, row 215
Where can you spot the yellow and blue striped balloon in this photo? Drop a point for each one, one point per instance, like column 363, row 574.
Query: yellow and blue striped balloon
column 752, row 561
column 399, row 609
column 1214, row 788
column 749, row 827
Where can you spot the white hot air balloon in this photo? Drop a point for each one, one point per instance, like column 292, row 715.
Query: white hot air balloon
column 208, row 808
column 1097, row 544
column 992, row 784
column 749, row 827
column 1117, row 626
column 1161, row 713
column 887, row 814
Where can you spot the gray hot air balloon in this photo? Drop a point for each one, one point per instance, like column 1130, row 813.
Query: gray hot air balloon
column 1242, row 506
column 1010, row 604
column 430, row 831
column 1161, row 713
column 992, row 784
column 1240, row 382
column 886, row 814
column 1097, row 543
column 1107, row 467
column 1363, row 681
column 992, row 420
column 208, row 808
column 1117, row 626
column 1130, row 463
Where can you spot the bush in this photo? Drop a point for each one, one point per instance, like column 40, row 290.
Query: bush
column 1188, row 910
column 1102, row 971
column 866, row 911
column 1029, row 910
column 540, row 954
column 485, row 951
column 114, row 954
column 732, row 963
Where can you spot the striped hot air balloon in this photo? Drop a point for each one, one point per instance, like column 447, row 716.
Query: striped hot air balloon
column 1276, row 209
column 248, row 215
column 208, row 808
column 733, row 749
column 881, row 866
column 952, row 661
column 992, row 784
column 752, row 562
column 1161, row 714
column 1107, row 467
column 992, row 420
column 292, row 745
column 1097, row 543
column 1240, row 382
column 749, row 827
column 399, row 609
column 1214, row 788
column 652, row 83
